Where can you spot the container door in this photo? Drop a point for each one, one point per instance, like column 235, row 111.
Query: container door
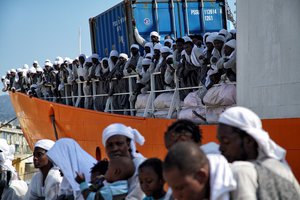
column 199, row 17
column 161, row 16
column 110, row 31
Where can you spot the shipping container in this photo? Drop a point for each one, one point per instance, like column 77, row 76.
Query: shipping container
column 113, row 28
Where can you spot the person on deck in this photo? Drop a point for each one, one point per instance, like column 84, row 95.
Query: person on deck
column 103, row 85
column 119, row 140
column 258, row 163
column 46, row 182
column 155, row 37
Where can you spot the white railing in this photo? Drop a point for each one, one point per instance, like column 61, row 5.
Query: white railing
column 149, row 108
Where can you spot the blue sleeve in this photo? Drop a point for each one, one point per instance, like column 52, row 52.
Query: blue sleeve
column 83, row 186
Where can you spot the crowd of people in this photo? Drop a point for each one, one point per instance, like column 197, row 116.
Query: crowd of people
column 246, row 165
column 191, row 61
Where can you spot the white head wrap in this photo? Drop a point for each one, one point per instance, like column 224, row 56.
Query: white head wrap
column 19, row 70
column 114, row 53
column 146, row 61
column 25, row 66
column 94, row 55
column 154, row 33
column 168, row 40
column 59, row 60
column 123, row 55
column 32, row 70
column 220, row 37
column 13, row 71
column 149, row 55
column 233, row 31
column 149, row 44
column 210, row 38
column 88, row 60
column 71, row 158
column 224, row 32
column 82, row 55
column 35, row 62
column 134, row 46
column 231, row 43
column 170, row 56
column 158, row 46
column 44, row 144
column 249, row 122
column 121, row 129
column 165, row 49
column 39, row 69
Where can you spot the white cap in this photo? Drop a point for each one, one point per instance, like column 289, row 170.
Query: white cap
column 13, row 71
column 149, row 55
column 154, row 33
column 114, row 53
column 168, row 40
column 233, row 31
column 39, row 69
column 224, row 32
column 123, row 55
column 231, row 43
column 44, row 144
column 32, row 70
column 149, row 44
column 210, row 38
column 58, row 60
column 19, row 70
column 146, row 61
column 25, row 66
column 94, row 55
column 35, row 62
column 134, row 46
column 165, row 49
column 220, row 38
column 170, row 56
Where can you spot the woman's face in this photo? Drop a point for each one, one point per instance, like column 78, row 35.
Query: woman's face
column 117, row 145
column 40, row 158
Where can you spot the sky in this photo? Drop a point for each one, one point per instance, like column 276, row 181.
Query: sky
column 44, row 29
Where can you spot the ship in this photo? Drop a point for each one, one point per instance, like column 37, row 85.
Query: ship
column 263, row 85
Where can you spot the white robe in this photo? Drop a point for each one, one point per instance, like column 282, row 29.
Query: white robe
column 16, row 190
column 49, row 190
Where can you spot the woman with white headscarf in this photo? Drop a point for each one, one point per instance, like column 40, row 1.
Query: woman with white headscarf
column 71, row 158
column 119, row 140
column 46, row 182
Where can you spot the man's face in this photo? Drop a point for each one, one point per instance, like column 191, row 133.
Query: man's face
column 134, row 51
column 105, row 64
column 154, row 39
column 40, row 158
column 228, row 50
column 179, row 46
column 184, row 187
column 231, row 143
column 188, row 49
column 81, row 60
column 218, row 44
column 116, row 146
column 147, row 49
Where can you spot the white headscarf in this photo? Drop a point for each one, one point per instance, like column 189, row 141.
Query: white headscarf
column 44, row 144
column 71, row 158
column 222, row 181
column 248, row 121
column 127, row 131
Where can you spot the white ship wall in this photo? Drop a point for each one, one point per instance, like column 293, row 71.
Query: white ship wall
column 268, row 57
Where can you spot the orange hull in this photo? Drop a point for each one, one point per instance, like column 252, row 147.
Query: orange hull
column 85, row 126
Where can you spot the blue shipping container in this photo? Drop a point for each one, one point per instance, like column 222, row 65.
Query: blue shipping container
column 113, row 28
